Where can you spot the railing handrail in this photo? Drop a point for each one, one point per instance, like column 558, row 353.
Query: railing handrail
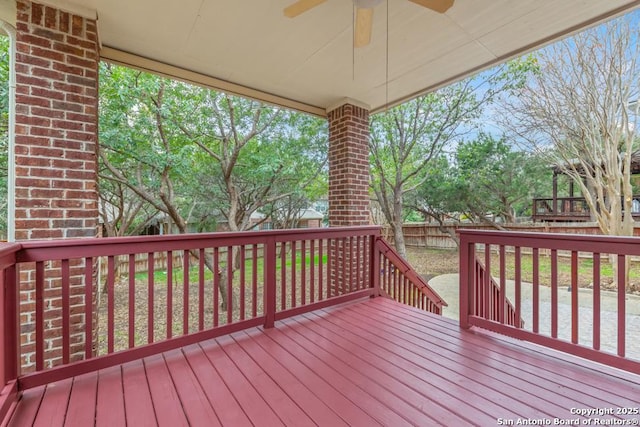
column 388, row 251
column 561, row 241
column 44, row 250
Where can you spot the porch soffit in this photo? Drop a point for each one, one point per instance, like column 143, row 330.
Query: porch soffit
column 308, row 63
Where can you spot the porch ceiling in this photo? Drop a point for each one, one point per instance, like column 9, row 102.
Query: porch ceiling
column 308, row 63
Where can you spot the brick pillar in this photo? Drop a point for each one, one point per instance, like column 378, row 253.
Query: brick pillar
column 56, row 158
column 348, row 166
column 348, row 187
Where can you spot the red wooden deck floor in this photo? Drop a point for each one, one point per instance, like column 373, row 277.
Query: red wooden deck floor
column 365, row 363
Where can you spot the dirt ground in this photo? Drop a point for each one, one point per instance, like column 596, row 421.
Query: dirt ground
column 433, row 262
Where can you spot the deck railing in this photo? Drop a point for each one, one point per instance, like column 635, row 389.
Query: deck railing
column 79, row 305
column 399, row 281
column 491, row 296
column 542, row 274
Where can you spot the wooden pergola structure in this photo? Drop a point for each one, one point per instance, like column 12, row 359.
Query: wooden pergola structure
column 574, row 208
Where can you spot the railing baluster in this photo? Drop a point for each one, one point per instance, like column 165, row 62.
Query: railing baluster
column 502, row 304
column 574, row 297
column 39, row 289
column 242, row 281
column 303, row 273
column 536, row 290
column 621, row 305
column 320, row 268
column 352, row 262
column 169, row 294
column 270, row 282
column 216, row 286
column 230, row 268
column 340, row 287
column 110, row 304
column 293, row 274
column 324, row 286
column 65, row 311
column 151, row 293
column 554, row 293
column 518, row 284
column 596, row 301
column 254, row 279
column 312, row 271
column 88, row 308
column 283, row 276
column 201, row 274
column 486, row 283
column 132, row 300
column 185, row 291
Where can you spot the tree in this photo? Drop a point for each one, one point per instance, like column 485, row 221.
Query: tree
column 123, row 213
column 581, row 112
column 499, row 180
column 486, row 180
column 190, row 152
column 406, row 139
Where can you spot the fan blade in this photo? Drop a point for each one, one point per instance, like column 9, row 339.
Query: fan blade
column 440, row 6
column 301, row 6
column 364, row 22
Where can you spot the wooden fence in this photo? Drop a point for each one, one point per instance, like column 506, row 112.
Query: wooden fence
column 433, row 236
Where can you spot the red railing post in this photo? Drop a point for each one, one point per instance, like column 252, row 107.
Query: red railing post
column 467, row 261
column 270, row 282
column 9, row 330
column 375, row 266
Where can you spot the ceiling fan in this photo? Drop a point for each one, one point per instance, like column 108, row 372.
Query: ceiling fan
column 364, row 14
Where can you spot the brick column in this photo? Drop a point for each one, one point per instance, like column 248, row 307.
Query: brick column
column 56, row 158
column 348, row 166
column 348, row 186
column 56, row 124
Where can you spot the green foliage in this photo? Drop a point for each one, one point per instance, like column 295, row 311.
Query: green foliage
column 4, row 130
column 410, row 140
column 487, row 178
column 201, row 156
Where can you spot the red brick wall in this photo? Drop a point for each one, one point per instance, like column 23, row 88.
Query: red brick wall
column 56, row 159
column 56, row 124
column 348, row 166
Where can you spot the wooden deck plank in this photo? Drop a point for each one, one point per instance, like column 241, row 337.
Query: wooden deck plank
column 368, row 362
column 451, row 365
column 137, row 396
column 54, row 404
column 498, row 356
column 287, row 409
column 218, row 394
column 378, row 396
column 525, row 396
column 166, row 404
column 343, row 385
column 349, row 411
column 421, row 391
column 82, row 402
column 315, row 408
column 110, row 409
column 194, row 400
column 588, row 381
column 27, row 409
column 424, row 389
column 253, row 404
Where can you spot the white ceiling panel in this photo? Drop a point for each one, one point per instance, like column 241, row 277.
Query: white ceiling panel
column 249, row 47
